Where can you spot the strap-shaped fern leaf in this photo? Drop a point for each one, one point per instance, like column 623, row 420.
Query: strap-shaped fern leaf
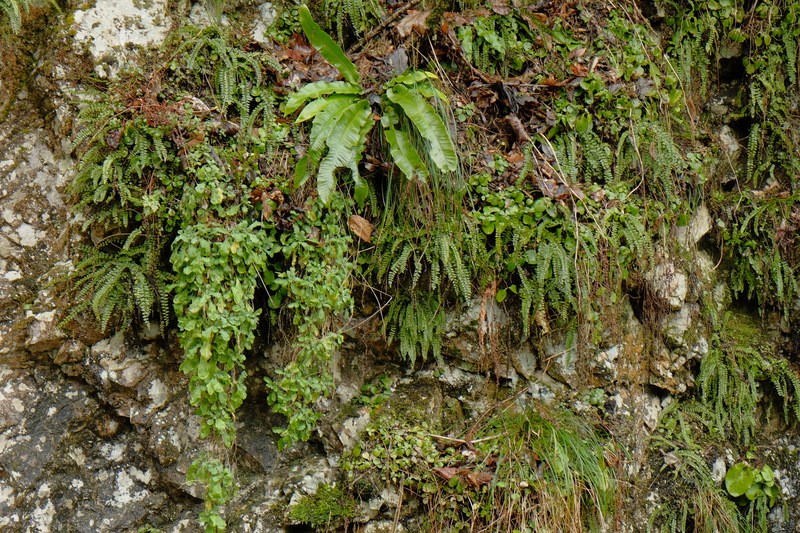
column 404, row 154
column 327, row 47
column 316, row 90
column 412, row 77
column 429, row 123
column 321, row 131
column 345, row 144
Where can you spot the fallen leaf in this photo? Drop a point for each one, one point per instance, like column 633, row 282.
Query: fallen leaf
column 577, row 53
column 415, row 21
column 476, row 479
column 550, row 81
column 500, row 8
column 446, row 472
column 515, row 157
column 361, row 227
column 266, row 207
column 579, row 70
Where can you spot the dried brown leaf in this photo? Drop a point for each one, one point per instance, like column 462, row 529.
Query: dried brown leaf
column 362, row 227
column 476, row 479
column 579, row 70
column 446, row 472
column 415, row 22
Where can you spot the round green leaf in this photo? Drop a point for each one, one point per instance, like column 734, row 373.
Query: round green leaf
column 739, row 479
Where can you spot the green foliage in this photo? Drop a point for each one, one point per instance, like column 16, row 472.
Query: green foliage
column 13, row 9
column 316, row 292
column 342, row 119
column 417, row 323
column 216, row 271
column 763, row 258
column 374, row 393
column 121, row 286
column 742, row 480
column 542, row 470
column 167, row 176
column 234, row 72
column 327, row 47
column 360, row 15
column 699, row 505
column 326, row 510
column 737, row 379
column 501, row 44
column 732, row 381
column 220, row 486
column 426, row 253
column 561, row 256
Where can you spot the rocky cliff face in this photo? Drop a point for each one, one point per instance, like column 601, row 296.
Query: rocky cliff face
column 96, row 431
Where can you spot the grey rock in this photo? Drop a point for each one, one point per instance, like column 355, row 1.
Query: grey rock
column 524, row 360
column 669, row 283
column 698, row 226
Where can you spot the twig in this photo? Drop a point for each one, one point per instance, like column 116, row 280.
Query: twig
column 382, row 26
column 399, row 507
column 462, row 441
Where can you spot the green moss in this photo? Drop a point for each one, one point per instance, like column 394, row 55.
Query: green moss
column 327, row 510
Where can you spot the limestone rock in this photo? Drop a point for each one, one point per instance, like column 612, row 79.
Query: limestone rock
column 111, row 28
column 668, row 283
column 698, row 226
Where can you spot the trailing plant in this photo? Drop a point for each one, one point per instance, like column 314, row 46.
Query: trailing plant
column 316, row 293
column 216, row 271
column 342, row 117
column 220, row 486
column 164, row 175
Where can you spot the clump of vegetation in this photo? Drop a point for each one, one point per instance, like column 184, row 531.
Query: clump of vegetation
column 165, row 187
column 342, row 118
column 328, row 509
column 738, row 379
column 540, row 469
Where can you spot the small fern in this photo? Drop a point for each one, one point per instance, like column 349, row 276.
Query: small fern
column 13, row 9
column 121, row 286
column 417, row 324
column 359, row 15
